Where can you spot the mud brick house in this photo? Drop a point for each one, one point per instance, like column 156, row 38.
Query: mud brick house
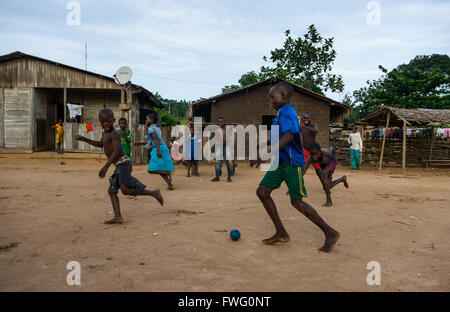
column 251, row 105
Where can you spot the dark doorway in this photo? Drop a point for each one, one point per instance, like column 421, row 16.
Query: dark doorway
column 59, row 112
column 51, row 120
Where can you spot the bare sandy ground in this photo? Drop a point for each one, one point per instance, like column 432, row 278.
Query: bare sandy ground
column 51, row 214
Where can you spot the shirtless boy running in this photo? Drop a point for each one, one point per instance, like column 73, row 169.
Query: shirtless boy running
column 121, row 179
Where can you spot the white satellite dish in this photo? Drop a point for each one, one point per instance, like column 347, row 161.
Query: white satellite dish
column 123, row 75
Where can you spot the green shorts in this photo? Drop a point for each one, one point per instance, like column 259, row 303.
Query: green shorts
column 293, row 176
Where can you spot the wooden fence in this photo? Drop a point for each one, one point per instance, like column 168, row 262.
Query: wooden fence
column 417, row 150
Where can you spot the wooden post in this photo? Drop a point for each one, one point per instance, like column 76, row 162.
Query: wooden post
column 384, row 138
column 404, row 147
column 431, row 146
column 65, row 117
column 122, row 101
column 131, row 121
column 362, row 147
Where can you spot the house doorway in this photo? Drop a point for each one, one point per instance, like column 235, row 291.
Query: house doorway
column 55, row 111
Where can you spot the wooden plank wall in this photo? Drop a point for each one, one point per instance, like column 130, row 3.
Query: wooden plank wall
column 18, row 118
column 72, row 145
column 27, row 72
column 1, row 119
column 94, row 102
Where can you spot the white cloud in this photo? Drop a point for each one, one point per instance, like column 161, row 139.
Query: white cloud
column 211, row 41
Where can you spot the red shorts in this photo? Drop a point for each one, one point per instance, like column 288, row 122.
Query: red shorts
column 306, row 154
column 332, row 166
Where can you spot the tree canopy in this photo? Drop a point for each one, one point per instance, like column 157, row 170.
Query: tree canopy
column 245, row 80
column 422, row 83
column 306, row 61
column 174, row 111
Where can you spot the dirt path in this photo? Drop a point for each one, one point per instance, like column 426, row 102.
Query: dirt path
column 51, row 214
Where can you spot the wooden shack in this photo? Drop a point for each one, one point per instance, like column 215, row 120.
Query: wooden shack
column 34, row 93
column 413, row 150
column 251, row 105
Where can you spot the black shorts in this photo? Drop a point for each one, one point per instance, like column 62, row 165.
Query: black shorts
column 122, row 176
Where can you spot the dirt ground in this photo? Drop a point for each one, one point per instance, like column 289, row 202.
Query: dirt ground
column 51, row 214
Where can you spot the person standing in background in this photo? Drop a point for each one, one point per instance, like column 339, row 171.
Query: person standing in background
column 356, row 145
column 125, row 136
column 59, row 135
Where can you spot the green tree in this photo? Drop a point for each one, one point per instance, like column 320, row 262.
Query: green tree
column 245, row 80
column 422, row 83
column 173, row 112
column 305, row 61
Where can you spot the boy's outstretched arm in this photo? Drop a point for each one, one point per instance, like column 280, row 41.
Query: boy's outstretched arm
column 89, row 141
column 287, row 138
column 310, row 128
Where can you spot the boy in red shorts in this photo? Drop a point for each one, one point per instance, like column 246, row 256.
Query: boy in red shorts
column 309, row 132
column 325, row 158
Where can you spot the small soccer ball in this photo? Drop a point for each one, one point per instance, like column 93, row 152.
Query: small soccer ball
column 235, row 235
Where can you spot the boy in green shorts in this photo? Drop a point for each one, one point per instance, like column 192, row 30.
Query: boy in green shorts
column 290, row 170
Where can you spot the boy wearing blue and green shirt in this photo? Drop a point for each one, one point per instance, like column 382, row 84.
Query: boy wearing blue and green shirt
column 290, row 170
column 125, row 136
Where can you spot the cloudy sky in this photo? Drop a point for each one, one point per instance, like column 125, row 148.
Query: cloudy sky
column 190, row 49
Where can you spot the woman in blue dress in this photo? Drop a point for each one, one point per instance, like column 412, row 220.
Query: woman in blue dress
column 160, row 159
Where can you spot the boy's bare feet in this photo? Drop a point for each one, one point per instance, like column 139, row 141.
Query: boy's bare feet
column 158, row 196
column 345, row 181
column 229, row 179
column 114, row 220
column 277, row 238
column 170, row 188
column 215, row 179
column 327, row 204
column 330, row 241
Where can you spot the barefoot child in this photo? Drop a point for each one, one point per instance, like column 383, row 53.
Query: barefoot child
column 223, row 152
column 191, row 146
column 121, row 179
column 59, row 135
column 326, row 159
column 125, row 136
column 290, row 170
column 160, row 160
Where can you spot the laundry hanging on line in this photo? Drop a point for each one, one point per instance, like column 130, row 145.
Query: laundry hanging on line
column 74, row 110
column 88, row 127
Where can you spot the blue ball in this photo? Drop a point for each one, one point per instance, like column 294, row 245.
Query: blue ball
column 235, row 235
